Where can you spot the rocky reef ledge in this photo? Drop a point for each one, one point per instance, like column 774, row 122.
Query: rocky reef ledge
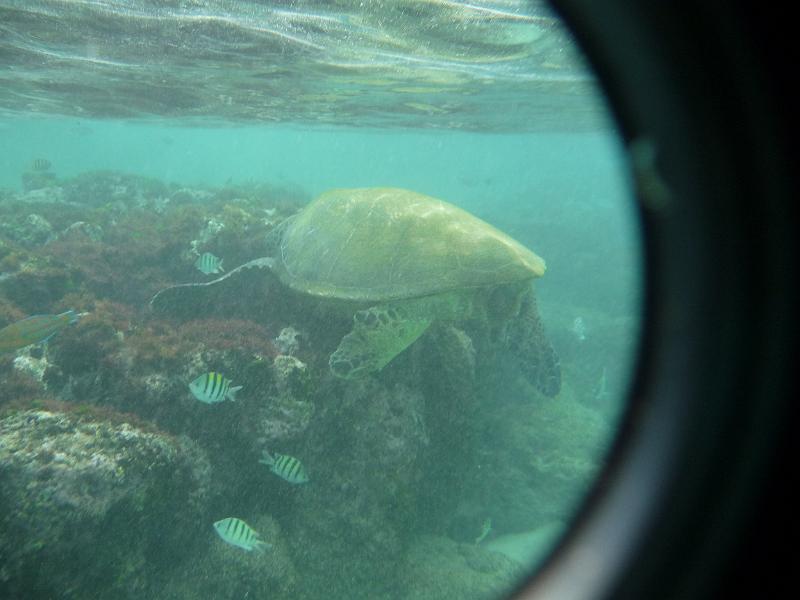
column 94, row 509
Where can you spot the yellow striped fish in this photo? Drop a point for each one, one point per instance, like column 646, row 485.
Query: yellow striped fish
column 34, row 330
column 287, row 467
column 213, row 387
column 208, row 263
column 238, row 533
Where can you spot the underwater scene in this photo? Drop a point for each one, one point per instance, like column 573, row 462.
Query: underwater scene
column 303, row 300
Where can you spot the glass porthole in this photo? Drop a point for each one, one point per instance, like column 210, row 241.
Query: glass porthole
column 304, row 300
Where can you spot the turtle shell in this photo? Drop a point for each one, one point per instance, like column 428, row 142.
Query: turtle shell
column 377, row 244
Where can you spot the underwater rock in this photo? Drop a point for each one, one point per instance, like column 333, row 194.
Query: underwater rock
column 33, row 181
column 287, row 342
column 241, row 336
column 362, row 451
column 35, row 367
column 103, row 504
column 283, row 420
column 37, row 286
column 536, row 461
column 90, row 363
column 81, row 230
column 527, row 547
column 224, row 572
column 288, row 408
column 446, row 363
column 189, row 196
column 41, row 195
column 29, row 231
column 291, row 375
column 38, row 230
column 608, row 346
column 98, row 188
column 437, row 567
column 205, row 239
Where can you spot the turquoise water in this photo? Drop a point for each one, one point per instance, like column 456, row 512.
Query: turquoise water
column 453, row 164
column 514, row 181
column 447, row 473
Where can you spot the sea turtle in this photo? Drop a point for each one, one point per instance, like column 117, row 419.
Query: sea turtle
column 403, row 260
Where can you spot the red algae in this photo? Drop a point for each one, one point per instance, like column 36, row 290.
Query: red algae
column 229, row 334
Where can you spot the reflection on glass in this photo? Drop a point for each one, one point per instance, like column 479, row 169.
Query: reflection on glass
column 303, row 300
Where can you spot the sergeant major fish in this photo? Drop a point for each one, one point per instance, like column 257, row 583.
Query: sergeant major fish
column 34, row 330
column 208, row 263
column 286, row 467
column 40, row 164
column 213, row 387
column 238, row 533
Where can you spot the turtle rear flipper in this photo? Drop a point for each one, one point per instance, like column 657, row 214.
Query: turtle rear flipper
column 177, row 295
column 532, row 350
column 544, row 371
column 379, row 334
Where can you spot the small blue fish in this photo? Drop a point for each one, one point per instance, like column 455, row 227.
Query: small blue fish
column 207, row 263
column 34, row 330
column 213, row 387
column 238, row 533
column 286, row 467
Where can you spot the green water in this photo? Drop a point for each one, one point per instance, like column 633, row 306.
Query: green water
column 408, row 468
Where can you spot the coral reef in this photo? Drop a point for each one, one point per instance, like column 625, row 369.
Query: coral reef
column 404, row 465
column 104, row 505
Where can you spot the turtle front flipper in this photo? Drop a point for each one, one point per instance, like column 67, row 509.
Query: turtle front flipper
column 379, row 334
column 535, row 355
column 174, row 294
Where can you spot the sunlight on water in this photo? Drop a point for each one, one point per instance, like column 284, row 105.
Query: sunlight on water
column 303, row 299
column 383, row 63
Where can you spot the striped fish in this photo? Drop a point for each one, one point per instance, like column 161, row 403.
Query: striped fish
column 40, row 164
column 213, row 387
column 34, row 330
column 238, row 533
column 208, row 263
column 287, row 467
